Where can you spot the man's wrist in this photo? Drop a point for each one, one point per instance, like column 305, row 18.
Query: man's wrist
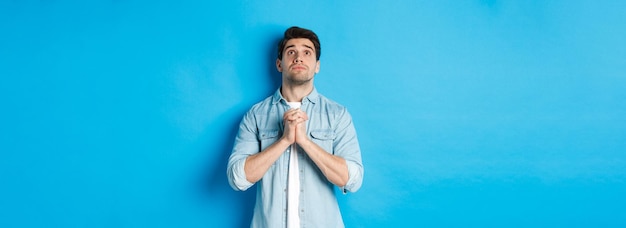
column 283, row 141
column 305, row 143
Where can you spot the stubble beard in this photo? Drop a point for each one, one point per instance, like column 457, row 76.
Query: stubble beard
column 299, row 80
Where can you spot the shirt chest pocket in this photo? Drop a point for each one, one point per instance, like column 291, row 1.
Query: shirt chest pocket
column 267, row 138
column 324, row 139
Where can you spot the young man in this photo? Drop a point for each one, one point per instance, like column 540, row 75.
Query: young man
column 297, row 145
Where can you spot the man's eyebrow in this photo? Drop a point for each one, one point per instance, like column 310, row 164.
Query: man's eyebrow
column 293, row 45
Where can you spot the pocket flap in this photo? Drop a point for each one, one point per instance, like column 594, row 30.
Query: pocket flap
column 323, row 134
column 268, row 134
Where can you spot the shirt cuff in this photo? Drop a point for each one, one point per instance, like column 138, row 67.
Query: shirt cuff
column 239, row 176
column 355, row 177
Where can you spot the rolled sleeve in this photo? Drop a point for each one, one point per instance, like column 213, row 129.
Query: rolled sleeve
column 245, row 145
column 355, row 177
column 347, row 147
column 237, row 176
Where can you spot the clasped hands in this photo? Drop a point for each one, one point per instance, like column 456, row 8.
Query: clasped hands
column 295, row 126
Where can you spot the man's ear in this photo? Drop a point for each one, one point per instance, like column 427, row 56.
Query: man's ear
column 317, row 67
column 278, row 66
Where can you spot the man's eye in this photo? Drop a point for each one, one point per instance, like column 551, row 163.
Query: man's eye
column 307, row 52
column 290, row 52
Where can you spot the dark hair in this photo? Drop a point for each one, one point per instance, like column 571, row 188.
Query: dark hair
column 297, row 32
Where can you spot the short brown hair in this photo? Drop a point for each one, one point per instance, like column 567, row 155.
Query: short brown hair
column 297, row 32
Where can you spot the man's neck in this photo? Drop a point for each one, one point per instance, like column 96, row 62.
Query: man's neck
column 295, row 93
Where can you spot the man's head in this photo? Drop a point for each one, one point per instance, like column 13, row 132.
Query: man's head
column 297, row 32
column 298, row 56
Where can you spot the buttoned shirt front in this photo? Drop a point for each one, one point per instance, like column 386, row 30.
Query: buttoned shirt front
column 329, row 126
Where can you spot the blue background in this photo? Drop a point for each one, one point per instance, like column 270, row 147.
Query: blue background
column 469, row 113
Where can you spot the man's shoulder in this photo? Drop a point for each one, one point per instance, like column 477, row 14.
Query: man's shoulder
column 331, row 104
column 262, row 106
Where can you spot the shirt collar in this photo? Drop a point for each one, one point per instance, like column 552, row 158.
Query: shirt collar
column 313, row 97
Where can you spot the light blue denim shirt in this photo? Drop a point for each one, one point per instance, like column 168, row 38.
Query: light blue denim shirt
column 329, row 126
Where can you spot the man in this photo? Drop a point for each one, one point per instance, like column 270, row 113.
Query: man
column 297, row 145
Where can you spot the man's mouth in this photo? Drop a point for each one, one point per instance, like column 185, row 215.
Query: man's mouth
column 298, row 67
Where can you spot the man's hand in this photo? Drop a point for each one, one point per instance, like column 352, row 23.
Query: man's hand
column 301, row 135
column 295, row 127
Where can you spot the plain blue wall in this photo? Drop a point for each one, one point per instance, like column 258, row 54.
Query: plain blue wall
column 469, row 113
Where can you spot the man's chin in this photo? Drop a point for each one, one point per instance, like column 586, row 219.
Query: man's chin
column 300, row 81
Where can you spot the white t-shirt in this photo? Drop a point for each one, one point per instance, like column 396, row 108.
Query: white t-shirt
column 293, row 183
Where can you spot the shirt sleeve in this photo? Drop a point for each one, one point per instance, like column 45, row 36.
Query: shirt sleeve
column 346, row 145
column 246, row 144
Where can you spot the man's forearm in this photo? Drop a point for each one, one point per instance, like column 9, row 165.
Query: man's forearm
column 257, row 164
column 333, row 167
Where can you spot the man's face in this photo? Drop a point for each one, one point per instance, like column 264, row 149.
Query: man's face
column 299, row 63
